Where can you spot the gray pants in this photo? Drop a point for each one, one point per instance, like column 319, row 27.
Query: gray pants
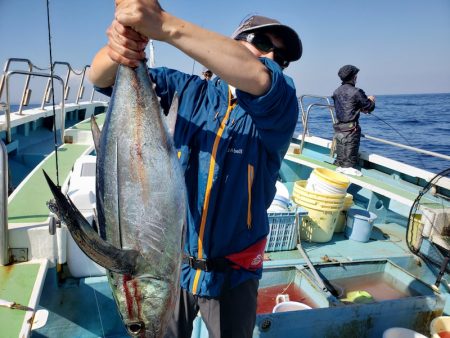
column 233, row 315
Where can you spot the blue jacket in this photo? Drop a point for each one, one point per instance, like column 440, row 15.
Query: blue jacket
column 231, row 153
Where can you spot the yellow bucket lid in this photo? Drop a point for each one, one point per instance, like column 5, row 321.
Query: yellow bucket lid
column 332, row 177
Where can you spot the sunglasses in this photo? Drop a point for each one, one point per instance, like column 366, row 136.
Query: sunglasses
column 264, row 44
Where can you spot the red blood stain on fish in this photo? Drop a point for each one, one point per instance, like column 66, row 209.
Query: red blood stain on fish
column 132, row 296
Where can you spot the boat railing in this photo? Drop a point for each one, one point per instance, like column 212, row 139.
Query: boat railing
column 26, row 91
column 80, row 91
column 7, row 107
column 330, row 107
column 399, row 145
column 4, row 250
column 321, row 99
column 323, row 102
column 70, row 71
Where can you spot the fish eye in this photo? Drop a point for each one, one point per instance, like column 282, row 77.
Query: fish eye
column 135, row 328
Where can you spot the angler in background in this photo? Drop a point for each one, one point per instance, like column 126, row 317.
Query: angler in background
column 207, row 74
column 349, row 101
column 232, row 133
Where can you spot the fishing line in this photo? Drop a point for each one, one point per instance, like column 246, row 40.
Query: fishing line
column 98, row 308
column 403, row 137
column 53, row 93
column 55, row 137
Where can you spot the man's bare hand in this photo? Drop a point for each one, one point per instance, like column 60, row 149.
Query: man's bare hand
column 125, row 45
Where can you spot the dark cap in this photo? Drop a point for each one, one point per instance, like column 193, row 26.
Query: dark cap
column 347, row 72
column 290, row 38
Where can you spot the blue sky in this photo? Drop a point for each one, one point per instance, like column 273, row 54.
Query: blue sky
column 401, row 46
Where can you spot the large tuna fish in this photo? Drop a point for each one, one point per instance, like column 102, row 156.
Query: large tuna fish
column 140, row 205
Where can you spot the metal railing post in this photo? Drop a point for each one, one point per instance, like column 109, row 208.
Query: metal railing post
column 4, row 242
column 305, row 117
column 81, row 87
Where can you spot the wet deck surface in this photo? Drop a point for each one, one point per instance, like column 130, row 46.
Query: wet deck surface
column 79, row 308
column 16, row 285
column 85, row 308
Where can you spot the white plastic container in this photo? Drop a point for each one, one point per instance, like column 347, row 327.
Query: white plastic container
column 290, row 306
column 400, row 332
column 327, row 181
column 81, row 190
column 440, row 327
column 281, row 200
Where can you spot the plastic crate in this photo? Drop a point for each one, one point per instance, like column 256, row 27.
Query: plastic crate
column 283, row 234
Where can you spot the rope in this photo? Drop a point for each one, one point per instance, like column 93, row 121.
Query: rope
column 53, row 93
column 414, row 209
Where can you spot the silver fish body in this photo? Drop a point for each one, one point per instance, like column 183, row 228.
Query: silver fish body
column 142, row 192
column 141, row 201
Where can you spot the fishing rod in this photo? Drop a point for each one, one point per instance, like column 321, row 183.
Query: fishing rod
column 53, row 93
column 394, row 129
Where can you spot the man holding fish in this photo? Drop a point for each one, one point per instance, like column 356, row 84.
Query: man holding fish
column 231, row 135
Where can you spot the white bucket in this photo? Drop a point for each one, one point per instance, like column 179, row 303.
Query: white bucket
column 400, row 332
column 317, row 183
column 281, row 200
column 440, row 327
column 290, row 306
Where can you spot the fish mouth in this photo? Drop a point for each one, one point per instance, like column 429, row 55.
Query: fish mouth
column 135, row 328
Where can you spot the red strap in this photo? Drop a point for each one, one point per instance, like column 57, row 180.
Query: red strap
column 251, row 258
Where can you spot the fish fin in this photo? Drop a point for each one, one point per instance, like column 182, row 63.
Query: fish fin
column 99, row 250
column 96, row 133
column 171, row 118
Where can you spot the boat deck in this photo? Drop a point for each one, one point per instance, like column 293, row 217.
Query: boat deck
column 20, row 283
column 69, row 304
column 84, row 307
column 28, row 205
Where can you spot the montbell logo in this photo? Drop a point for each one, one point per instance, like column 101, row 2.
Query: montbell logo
column 235, row 151
column 257, row 261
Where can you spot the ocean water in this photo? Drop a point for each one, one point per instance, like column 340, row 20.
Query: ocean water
column 420, row 121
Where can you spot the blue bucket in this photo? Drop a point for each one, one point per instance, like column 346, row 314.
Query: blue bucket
column 359, row 224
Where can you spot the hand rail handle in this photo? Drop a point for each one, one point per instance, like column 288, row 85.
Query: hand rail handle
column 306, row 117
column 325, row 98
